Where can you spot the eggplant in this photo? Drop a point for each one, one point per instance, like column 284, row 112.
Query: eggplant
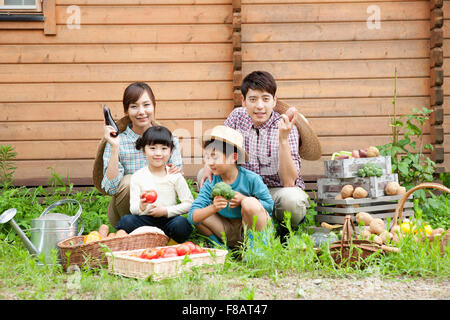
column 110, row 121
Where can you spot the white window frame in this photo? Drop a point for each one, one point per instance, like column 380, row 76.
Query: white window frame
column 36, row 8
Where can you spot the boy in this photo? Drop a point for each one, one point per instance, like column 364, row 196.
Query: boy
column 213, row 217
column 272, row 141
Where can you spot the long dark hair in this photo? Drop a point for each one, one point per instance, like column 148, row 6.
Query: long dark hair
column 155, row 135
column 134, row 91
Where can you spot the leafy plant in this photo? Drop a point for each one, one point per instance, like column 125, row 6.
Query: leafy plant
column 7, row 168
column 408, row 159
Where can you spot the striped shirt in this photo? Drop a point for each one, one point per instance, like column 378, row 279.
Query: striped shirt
column 261, row 144
column 131, row 159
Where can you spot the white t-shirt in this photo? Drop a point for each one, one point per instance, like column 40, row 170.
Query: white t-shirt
column 168, row 188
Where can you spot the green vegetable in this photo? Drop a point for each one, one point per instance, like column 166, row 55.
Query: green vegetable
column 222, row 189
column 370, row 170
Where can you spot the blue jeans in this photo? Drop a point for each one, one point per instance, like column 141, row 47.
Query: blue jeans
column 178, row 228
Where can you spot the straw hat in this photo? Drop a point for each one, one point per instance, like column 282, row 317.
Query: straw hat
column 228, row 135
column 309, row 147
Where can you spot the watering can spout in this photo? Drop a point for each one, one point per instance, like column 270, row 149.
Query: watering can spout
column 8, row 216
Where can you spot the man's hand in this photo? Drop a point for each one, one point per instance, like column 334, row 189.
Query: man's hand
column 219, row 203
column 237, row 199
column 284, row 127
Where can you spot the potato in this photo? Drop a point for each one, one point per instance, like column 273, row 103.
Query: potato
column 360, row 193
column 347, row 191
column 121, row 233
column 365, row 234
column 436, row 232
column 378, row 240
column 103, row 230
column 391, row 188
column 372, row 152
column 385, row 236
column 339, row 197
column 364, row 217
column 377, row 226
column 396, row 229
column 111, row 235
column 401, row 190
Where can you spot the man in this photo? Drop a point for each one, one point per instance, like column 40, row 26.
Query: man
column 272, row 141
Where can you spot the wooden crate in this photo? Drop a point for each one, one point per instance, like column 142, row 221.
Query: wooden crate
column 129, row 264
column 348, row 168
column 381, row 207
column 328, row 188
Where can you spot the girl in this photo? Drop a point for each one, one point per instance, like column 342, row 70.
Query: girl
column 120, row 157
column 157, row 145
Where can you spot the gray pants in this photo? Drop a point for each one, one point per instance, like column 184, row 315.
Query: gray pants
column 292, row 199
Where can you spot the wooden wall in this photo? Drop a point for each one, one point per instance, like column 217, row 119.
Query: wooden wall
column 337, row 71
column 53, row 87
column 326, row 60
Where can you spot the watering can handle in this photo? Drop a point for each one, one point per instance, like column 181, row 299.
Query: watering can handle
column 60, row 202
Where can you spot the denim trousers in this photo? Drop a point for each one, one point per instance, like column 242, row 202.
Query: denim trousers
column 178, row 228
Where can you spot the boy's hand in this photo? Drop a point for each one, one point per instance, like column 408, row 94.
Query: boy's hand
column 237, row 199
column 143, row 205
column 158, row 211
column 219, row 203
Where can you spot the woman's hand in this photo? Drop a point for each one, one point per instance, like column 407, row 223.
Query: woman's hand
column 113, row 141
column 237, row 199
column 173, row 169
column 158, row 211
column 219, row 203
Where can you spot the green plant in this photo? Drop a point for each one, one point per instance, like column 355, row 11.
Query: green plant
column 370, row 170
column 7, row 168
column 408, row 160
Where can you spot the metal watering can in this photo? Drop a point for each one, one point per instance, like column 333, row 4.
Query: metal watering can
column 47, row 230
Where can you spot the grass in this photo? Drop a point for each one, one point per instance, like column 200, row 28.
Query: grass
column 21, row 277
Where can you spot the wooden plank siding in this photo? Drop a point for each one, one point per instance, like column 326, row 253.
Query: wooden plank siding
column 446, row 87
column 337, row 71
column 52, row 88
column 326, row 61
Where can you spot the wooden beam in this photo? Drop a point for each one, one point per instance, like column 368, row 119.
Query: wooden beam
column 50, row 17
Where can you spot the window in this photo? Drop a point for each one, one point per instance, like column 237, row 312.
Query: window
column 20, row 5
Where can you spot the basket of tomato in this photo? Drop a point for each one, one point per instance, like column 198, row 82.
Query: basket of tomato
column 163, row 262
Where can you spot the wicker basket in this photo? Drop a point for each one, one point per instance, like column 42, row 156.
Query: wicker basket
column 128, row 263
column 443, row 238
column 350, row 251
column 92, row 254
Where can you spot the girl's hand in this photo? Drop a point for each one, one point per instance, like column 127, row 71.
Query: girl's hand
column 237, row 199
column 173, row 169
column 143, row 205
column 158, row 211
column 219, row 203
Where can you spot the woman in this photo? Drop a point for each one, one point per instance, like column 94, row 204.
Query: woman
column 121, row 158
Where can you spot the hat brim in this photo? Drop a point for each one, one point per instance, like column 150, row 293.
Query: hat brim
column 309, row 144
column 213, row 137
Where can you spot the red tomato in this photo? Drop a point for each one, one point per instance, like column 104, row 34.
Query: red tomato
column 183, row 249
column 151, row 196
column 150, row 253
column 198, row 249
column 191, row 246
column 169, row 252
